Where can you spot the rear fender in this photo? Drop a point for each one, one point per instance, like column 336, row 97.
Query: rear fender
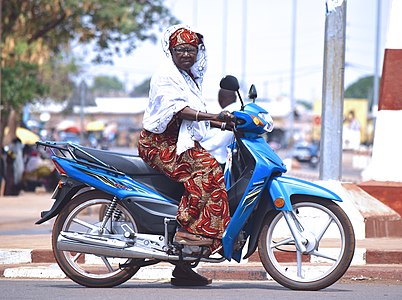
column 62, row 196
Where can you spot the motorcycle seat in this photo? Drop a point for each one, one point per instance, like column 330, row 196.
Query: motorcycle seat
column 132, row 165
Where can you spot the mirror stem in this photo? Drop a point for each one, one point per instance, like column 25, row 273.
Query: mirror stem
column 241, row 100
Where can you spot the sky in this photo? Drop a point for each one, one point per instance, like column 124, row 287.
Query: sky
column 262, row 56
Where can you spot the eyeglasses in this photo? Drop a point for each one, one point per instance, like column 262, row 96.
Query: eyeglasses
column 181, row 51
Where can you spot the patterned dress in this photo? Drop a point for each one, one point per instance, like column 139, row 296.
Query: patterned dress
column 203, row 208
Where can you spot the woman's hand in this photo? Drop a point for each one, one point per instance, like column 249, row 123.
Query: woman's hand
column 195, row 115
column 226, row 116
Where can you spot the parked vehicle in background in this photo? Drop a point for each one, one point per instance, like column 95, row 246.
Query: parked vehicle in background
column 306, row 153
column 70, row 137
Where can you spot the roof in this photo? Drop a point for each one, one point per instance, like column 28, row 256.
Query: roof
column 116, row 105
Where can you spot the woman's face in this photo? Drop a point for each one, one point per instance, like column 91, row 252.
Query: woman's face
column 184, row 56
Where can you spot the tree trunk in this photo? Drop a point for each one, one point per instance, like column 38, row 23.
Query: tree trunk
column 12, row 128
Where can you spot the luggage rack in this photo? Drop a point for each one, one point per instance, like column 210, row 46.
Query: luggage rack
column 66, row 150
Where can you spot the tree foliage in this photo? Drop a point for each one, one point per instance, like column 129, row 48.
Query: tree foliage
column 19, row 82
column 362, row 88
column 35, row 32
column 107, row 86
column 38, row 28
column 141, row 90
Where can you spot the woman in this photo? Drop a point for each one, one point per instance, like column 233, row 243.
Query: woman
column 175, row 121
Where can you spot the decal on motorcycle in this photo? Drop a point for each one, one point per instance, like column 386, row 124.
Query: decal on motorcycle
column 253, row 194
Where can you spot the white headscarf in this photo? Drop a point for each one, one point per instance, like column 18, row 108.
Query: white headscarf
column 172, row 90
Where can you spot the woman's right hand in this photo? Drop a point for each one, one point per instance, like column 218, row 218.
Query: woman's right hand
column 226, row 116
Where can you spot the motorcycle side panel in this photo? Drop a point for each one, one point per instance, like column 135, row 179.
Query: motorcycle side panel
column 150, row 214
column 119, row 185
column 256, row 179
column 148, row 206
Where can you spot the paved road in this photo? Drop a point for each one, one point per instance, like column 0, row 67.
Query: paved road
column 65, row 289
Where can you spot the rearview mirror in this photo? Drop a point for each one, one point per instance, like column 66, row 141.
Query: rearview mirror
column 230, row 83
column 252, row 93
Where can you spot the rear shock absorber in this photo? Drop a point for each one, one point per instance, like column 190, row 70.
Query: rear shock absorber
column 117, row 214
column 109, row 212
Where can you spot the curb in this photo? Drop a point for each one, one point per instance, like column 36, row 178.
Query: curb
column 362, row 256
column 23, row 256
column 40, row 263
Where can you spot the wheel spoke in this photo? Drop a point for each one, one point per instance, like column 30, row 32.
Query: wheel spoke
column 85, row 224
column 281, row 243
column 76, row 257
column 107, row 264
column 299, row 263
column 324, row 228
column 320, row 254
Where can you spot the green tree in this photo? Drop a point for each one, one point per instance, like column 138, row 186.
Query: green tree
column 58, row 74
column 362, row 88
column 19, row 82
column 107, row 86
column 141, row 90
column 34, row 31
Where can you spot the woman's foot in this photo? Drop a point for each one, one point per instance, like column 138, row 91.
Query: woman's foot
column 184, row 275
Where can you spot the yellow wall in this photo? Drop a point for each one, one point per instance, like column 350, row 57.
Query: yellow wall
column 359, row 106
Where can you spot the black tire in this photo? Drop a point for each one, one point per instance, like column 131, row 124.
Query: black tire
column 75, row 265
column 277, row 249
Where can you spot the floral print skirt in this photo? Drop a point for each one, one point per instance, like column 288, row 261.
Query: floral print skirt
column 203, row 208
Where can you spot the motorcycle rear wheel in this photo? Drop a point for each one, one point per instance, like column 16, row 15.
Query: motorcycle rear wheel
column 328, row 256
column 81, row 214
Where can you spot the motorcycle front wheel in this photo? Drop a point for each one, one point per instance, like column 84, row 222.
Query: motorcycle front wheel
column 81, row 215
column 327, row 242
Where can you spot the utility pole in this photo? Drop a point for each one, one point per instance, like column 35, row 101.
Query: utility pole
column 332, row 91
column 224, row 35
column 292, row 74
column 83, row 96
column 244, row 49
column 195, row 13
column 377, row 56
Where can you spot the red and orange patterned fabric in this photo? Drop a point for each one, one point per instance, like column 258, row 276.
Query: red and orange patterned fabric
column 183, row 36
column 203, row 208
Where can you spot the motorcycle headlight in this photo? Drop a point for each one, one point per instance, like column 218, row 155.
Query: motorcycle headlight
column 269, row 126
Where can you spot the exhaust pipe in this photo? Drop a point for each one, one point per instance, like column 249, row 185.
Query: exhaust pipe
column 116, row 248
column 104, row 247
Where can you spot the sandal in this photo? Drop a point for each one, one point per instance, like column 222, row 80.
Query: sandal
column 186, row 238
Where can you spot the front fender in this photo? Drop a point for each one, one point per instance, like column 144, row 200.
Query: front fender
column 284, row 187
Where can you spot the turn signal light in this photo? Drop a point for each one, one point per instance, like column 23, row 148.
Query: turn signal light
column 279, row 202
column 257, row 121
column 60, row 184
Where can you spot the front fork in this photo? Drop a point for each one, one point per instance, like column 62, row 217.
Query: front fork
column 296, row 228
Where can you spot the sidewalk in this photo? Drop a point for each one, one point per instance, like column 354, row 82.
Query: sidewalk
column 25, row 250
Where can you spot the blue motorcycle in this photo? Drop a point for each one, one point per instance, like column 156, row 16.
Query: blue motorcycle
column 115, row 214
